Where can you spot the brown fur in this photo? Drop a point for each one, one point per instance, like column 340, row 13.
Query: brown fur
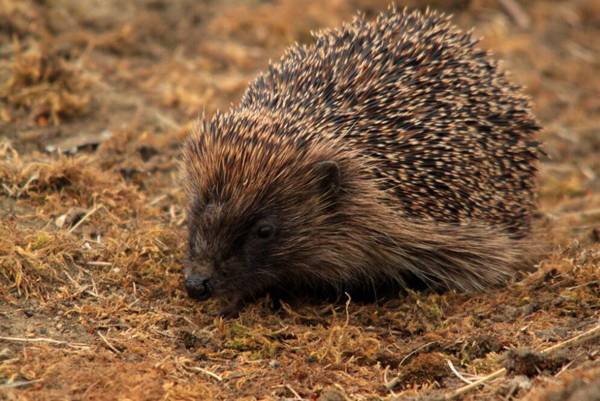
column 434, row 178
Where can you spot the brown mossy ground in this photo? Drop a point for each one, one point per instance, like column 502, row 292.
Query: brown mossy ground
column 95, row 99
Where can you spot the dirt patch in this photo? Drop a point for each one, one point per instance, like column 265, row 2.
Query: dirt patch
column 523, row 361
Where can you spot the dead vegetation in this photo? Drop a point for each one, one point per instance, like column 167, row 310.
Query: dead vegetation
column 95, row 99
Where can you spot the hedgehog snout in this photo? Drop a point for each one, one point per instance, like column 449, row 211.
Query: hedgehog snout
column 198, row 286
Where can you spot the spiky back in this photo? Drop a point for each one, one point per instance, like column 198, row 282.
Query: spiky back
column 452, row 139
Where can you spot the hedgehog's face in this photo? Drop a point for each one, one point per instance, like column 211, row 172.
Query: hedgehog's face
column 229, row 255
column 249, row 234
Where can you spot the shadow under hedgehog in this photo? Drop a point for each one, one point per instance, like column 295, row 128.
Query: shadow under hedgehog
column 388, row 151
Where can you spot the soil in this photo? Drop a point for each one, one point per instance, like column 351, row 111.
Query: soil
column 96, row 98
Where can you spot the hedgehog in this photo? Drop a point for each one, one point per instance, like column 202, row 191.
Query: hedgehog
column 389, row 153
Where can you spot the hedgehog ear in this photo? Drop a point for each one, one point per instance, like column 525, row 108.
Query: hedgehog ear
column 329, row 176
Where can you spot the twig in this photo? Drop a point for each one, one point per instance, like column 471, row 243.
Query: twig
column 589, row 283
column 206, row 372
column 108, row 344
column 465, row 389
column 457, row 373
column 81, row 289
column 565, row 368
column 386, row 382
column 44, row 340
column 20, row 383
column 347, row 310
column 157, row 199
column 93, row 294
column 34, row 177
column 98, row 263
column 85, row 217
column 411, row 353
column 8, row 190
column 581, row 338
column 293, row 392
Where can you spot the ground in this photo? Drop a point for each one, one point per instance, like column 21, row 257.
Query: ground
column 95, row 100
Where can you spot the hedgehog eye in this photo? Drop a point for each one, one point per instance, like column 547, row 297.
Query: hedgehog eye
column 265, row 231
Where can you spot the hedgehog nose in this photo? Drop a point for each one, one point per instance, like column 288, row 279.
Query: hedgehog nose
column 198, row 287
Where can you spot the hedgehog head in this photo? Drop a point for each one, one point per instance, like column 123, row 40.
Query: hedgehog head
column 260, row 201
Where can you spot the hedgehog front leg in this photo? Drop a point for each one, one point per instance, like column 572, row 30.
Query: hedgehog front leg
column 232, row 308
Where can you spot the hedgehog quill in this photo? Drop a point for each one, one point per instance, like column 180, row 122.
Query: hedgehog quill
column 387, row 152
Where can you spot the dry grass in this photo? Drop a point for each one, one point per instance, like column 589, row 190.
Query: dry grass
column 95, row 99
